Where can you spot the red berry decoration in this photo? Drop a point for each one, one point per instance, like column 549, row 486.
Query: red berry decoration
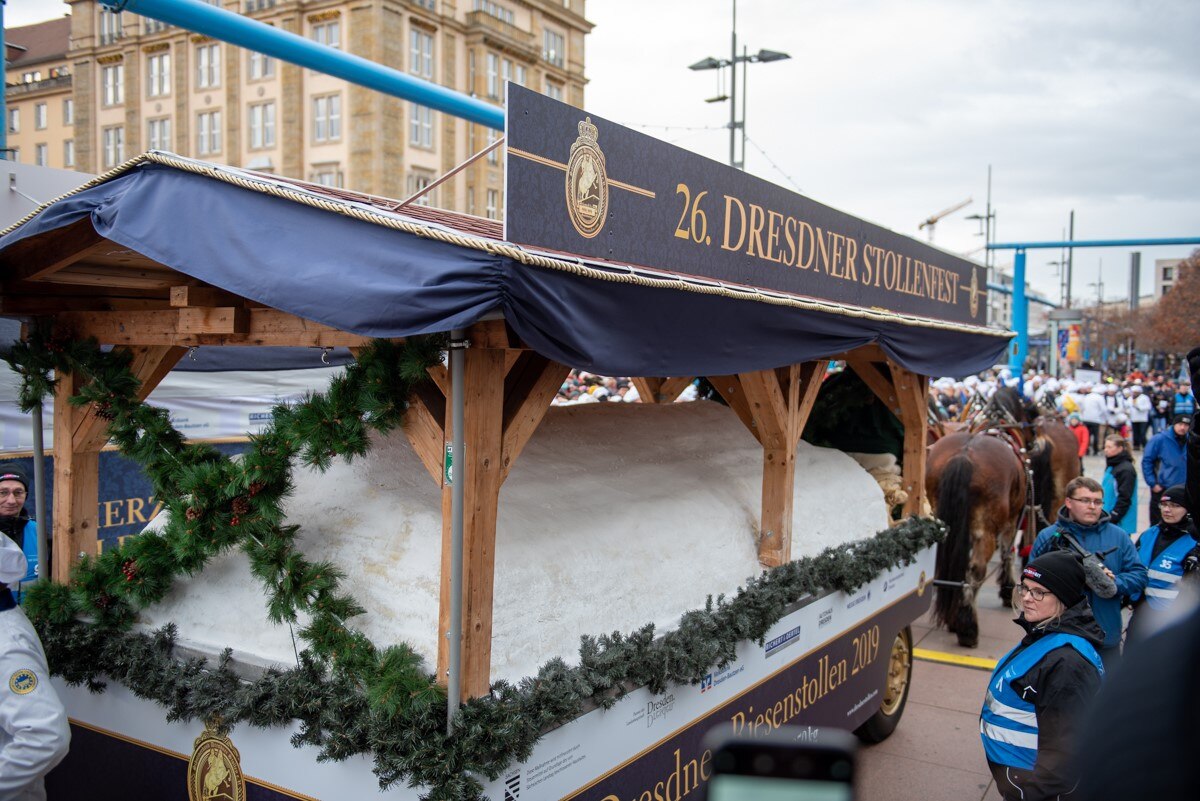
column 235, row 520
column 130, row 569
column 255, row 488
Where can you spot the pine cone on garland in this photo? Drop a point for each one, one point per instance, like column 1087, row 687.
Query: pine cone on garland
column 192, row 513
column 240, row 506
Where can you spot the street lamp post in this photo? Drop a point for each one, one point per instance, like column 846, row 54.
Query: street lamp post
column 734, row 59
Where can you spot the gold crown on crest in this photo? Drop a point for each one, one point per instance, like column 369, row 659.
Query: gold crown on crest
column 587, row 130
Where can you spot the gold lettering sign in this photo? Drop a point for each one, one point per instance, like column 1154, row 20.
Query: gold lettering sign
column 215, row 770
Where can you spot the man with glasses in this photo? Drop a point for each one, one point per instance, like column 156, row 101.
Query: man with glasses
column 1083, row 522
column 14, row 519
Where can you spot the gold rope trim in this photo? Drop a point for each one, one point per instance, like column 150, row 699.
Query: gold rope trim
column 617, row 274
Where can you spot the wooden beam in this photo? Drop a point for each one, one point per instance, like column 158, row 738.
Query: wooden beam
column 672, row 387
column 262, row 327
column 770, row 409
column 183, row 296
column 767, row 405
column 730, row 388
column 648, row 387
column 224, row 320
column 877, row 382
column 23, row 305
column 529, row 387
column 76, row 486
column 150, row 365
column 870, row 353
column 812, row 378
column 440, row 378
column 911, row 389
column 63, row 248
column 481, row 470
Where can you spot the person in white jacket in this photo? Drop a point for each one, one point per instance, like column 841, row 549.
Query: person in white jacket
column 34, row 734
column 1094, row 415
column 1140, row 407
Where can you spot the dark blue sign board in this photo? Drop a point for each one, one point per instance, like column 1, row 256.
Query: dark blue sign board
column 580, row 184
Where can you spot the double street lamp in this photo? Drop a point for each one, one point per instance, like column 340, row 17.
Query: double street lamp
column 734, row 59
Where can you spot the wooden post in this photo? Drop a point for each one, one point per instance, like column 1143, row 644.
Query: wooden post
column 78, row 437
column 769, row 406
column 911, row 389
column 481, row 468
column 76, row 485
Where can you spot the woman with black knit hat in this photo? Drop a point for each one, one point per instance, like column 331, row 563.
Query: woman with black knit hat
column 1164, row 549
column 1041, row 689
column 14, row 519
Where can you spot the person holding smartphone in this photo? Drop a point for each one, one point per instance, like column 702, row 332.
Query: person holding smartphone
column 1041, row 689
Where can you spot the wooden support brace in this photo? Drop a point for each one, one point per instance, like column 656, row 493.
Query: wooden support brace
column 772, row 415
column 812, row 377
column 647, row 387
column 530, row 385
column 879, row 383
column 71, row 244
column 729, row 387
column 150, row 365
column 425, row 426
column 911, row 389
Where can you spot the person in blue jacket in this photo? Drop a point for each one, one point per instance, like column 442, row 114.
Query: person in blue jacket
column 1083, row 519
column 14, row 519
column 1170, row 551
column 1040, row 690
column 1120, row 483
column 1164, row 462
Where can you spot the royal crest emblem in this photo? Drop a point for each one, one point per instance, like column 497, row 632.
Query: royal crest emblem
column 23, row 682
column 587, row 182
column 215, row 770
column 922, row 583
column 974, row 292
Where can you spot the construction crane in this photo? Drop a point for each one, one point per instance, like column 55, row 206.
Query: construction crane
column 931, row 222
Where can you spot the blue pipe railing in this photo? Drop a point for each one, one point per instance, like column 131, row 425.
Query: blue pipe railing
column 254, row 35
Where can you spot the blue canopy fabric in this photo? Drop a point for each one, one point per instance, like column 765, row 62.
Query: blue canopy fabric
column 364, row 277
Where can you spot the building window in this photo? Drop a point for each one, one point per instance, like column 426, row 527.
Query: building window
column 420, row 125
column 553, row 47
column 262, row 125
column 327, row 33
column 470, row 199
column 69, row 153
column 516, row 73
column 471, row 72
column 110, row 26
column 114, row 146
column 421, row 54
column 429, row 4
column 327, row 118
column 259, row 5
column 154, row 25
column 208, row 66
column 112, row 79
column 31, row 77
column 261, row 66
column 493, row 156
column 417, row 182
column 493, row 75
column 1168, row 273
column 39, row 116
column 68, row 111
column 158, row 74
column 554, row 91
column 326, row 175
column 493, row 204
column 14, row 155
column 208, row 133
column 495, row 10
column 14, row 120
column 159, row 131
column 40, row 155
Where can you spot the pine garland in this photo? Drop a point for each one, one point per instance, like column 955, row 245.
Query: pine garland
column 349, row 696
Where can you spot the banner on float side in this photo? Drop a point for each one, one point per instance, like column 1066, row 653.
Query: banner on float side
column 578, row 183
column 823, row 665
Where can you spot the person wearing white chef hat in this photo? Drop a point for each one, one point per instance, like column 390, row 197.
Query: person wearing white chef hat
column 34, row 734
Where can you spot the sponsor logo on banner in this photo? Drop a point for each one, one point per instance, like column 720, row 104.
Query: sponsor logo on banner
column 825, row 618
column 713, row 680
column 261, row 417
column 659, row 708
column 858, row 599
column 512, row 787
column 782, row 641
column 891, row 583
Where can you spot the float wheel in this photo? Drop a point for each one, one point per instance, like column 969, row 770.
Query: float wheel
column 879, row 726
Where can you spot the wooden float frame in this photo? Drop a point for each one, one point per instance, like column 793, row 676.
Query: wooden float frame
column 93, row 287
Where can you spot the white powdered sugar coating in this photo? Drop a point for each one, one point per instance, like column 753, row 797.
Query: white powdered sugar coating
column 615, row 515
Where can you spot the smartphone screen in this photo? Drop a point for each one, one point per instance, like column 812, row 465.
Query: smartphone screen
column 734, row 787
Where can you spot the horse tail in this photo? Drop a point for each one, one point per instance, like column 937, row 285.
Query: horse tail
column 1041, row 460
column 954, row 554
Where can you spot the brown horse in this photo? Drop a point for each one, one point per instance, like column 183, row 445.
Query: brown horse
column 976, row 485
column 1054, row 458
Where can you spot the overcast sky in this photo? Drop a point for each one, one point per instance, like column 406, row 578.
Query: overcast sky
column 892, row 110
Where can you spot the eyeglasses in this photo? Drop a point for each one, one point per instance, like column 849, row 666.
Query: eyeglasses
column 18, row 494
column 1037, row 595
column 1088, row 501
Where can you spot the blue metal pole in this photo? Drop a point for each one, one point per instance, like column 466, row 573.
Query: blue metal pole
column 254, row 35
column 1097, row 243
column 1020, row 318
